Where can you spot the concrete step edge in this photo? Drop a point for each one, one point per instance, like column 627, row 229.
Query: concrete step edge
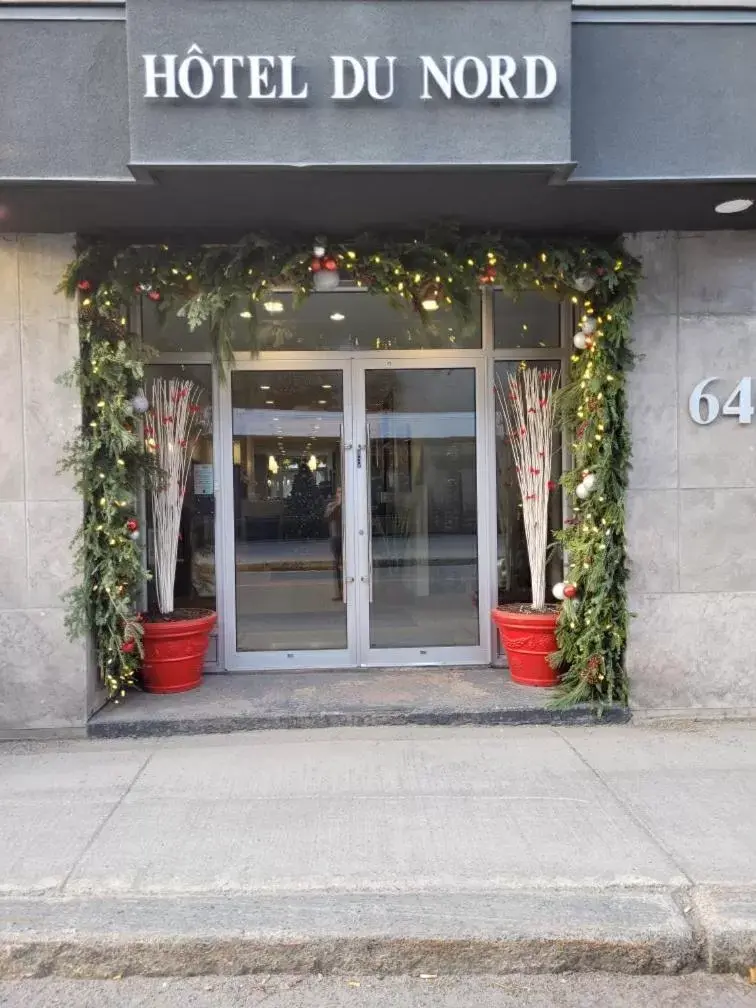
column 125, row 727
column 537, row 931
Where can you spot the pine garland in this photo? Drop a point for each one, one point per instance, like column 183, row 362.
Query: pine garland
column 206, row 283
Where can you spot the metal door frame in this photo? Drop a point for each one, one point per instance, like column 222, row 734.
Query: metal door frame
column 479, row 654
column 356, row 518
column 261, row 661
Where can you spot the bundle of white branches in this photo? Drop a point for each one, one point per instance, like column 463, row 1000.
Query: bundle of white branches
column 527, row 407
column 175, row 422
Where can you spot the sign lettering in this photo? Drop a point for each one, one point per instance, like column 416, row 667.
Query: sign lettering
column 271, row 78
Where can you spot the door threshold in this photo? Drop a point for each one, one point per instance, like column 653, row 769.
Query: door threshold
column 343, row 698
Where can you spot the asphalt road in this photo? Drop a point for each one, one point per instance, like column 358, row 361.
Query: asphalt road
column 567, row 991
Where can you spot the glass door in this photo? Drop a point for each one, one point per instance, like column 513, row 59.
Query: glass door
column 352, row 531
column 288, row 552
column 419, row 534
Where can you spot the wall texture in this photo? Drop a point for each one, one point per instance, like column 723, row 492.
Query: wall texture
column 43, row 676
column 692, row 502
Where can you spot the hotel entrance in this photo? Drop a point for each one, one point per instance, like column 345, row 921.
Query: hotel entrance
column 353, row 501
column 356, row 532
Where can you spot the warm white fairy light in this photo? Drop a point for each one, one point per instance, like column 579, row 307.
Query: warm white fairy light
column 528, row 411
column 177, row 424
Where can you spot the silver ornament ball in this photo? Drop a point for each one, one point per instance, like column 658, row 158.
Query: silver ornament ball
column 140, row 403
column 584, row 284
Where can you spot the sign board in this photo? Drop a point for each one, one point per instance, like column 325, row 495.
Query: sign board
column 349, row 82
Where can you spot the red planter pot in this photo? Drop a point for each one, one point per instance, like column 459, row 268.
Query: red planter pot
column 528, row 639
column 174, row 653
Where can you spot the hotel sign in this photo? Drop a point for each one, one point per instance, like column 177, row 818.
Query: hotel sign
column 349, row 82
column 267, row 78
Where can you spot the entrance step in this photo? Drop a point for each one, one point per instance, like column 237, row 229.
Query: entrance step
column 339, row 698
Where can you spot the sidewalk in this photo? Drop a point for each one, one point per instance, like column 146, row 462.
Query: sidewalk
column 381, row 850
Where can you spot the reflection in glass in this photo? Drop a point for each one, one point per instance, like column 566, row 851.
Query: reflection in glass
column 287, row 445
column 195, row 564
column 423, row 507
column 342, row 320
column 512, row 553
column 528, row 322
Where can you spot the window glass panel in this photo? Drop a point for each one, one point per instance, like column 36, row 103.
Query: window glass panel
column 195, row 565
column 530, row 322
column 341, row 320
column 512, row 554
column 423, row 507
column 288, row 542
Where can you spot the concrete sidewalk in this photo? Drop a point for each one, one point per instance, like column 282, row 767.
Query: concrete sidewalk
column 384, row 850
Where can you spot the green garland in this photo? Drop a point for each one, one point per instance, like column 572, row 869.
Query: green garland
column 204, row 283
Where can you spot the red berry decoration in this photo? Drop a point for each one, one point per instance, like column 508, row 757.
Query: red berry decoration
column 132, row 524
column 316, row 266
column 128, row 646
column 153, row 295
column 84, row 285
column 570, row 591
column 329, row 264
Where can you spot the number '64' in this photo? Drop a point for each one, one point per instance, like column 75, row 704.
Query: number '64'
column 738, row 404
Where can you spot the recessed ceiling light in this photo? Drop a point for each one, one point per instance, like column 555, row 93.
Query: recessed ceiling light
column 264, row 388
column 274, row 307
column 321, row 402
column 337, row 317
column 326, row 386
column 269, row 402
column 733, row 206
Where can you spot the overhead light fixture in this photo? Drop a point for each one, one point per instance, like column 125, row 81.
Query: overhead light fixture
column 322, row 402
column 733, row 206
column 270, row 402
column 337, row 317
column 274, row 307
column 430, row 304
column 265, row 388
column 326, row 386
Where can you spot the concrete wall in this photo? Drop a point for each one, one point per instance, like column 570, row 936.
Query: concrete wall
column 43, row 676
column 692, row 502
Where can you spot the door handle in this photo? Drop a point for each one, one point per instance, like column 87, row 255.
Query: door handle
column 348, row 580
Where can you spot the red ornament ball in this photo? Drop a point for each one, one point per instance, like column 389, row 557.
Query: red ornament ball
column 329, row 264
column 316, row 265
column 84, row 285
column 570, row 591
column 132, row 524
column 153, row 295
column 128, row 646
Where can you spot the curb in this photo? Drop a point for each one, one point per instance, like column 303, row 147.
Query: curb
column 532, row 931
column 150, row 728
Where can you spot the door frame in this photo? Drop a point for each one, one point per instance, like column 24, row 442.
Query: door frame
column 369, row 657
column 357, row 653
column 293, row 660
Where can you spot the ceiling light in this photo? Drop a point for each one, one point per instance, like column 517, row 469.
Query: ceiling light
column 322, row 402
column 326, row 386
column 274, row 307
column 733, row 206
column 430, row 304
column 337, row 317
column 265, row 388
column 269, row 402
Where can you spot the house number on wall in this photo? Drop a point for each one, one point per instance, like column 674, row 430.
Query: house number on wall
column 704, row 407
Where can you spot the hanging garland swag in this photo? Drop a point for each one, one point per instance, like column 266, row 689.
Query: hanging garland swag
column 205, row 283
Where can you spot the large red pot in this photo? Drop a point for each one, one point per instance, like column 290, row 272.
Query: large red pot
column 174, row 652
column 528, row 638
